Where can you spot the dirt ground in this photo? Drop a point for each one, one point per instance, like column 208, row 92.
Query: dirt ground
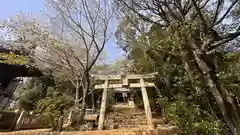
column 104, row 132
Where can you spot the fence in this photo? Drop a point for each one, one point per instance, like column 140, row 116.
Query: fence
column 28, row 120
column 18, row 121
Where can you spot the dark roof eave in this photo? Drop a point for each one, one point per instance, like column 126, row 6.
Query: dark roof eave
column 26, row 71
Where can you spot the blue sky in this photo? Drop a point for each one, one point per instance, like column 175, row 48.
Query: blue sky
column 10, row 8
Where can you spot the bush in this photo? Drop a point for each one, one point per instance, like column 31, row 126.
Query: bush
column 35, row 89
column 54, row 105
column 191, row 119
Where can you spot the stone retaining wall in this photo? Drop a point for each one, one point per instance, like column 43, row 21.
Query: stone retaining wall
column 7, row 120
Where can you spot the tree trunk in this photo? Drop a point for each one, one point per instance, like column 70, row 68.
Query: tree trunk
column 213, row 87
column 77, row 91
column 231, row 118
column 189, row 73
column 86, row 87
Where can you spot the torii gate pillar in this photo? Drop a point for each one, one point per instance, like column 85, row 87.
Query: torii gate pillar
column 103, row 106
column 146, row 103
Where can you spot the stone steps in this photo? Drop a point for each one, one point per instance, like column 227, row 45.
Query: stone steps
column 134, row 126
column 128, row 117
column 132, row 121
column 124, row 119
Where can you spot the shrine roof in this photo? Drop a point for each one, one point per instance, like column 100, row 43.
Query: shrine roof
column 10, row 71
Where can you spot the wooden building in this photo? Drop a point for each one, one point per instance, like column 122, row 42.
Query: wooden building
column 9, row 76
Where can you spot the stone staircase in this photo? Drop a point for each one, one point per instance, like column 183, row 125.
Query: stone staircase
column 124, row 117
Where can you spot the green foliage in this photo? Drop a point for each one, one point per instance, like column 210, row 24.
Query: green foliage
column 54, row 105
column 28, row 99
column 32, row 91
column 192, row 119
column 13, row 59
column 229, row 73
column 48, row 99
column 162, row 50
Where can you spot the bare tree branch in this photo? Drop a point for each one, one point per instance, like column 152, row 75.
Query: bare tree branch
column 227, row 11
column 204, row 23
column 141, row 15
column 217, row 11
column 225, row 39
column 89, row 19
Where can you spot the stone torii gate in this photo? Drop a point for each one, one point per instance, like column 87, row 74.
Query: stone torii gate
column 129, row 81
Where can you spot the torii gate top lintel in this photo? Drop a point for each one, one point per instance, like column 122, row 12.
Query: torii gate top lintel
column 123, row 80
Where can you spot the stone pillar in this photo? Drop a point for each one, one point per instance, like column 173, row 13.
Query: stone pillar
column 103, row 106
column 146, row 104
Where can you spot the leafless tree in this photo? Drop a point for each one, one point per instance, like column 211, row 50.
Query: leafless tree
column 89, row 21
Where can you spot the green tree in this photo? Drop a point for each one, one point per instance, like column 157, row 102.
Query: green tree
column 188, row 32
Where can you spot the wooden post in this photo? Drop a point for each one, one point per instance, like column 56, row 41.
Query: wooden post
column 146, row 104
column 103, row 106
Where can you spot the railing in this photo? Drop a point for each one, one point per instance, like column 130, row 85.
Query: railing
column 10, row 121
